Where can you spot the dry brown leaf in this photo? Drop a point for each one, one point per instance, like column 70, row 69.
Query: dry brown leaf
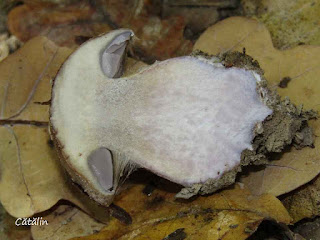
column 32, row 180
column 301, row 64
column 305, row 201
column 65, row 222
column 70, row 24
column 25, row 80
column 66, row 24
column 159, row 38
column 230, row 214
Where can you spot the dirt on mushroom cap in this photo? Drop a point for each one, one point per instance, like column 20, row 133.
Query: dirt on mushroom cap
column 288, row 125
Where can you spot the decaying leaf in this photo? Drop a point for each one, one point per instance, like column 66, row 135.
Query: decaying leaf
column 230, row 214
column 71, row 24
column 304, row 202
column 301, row 64
column 66, row 25
column 65, row 222
column 31, row 178
column 290, row 23
column 159, row 38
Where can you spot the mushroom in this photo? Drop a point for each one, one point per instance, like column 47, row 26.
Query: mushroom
column 187, row 119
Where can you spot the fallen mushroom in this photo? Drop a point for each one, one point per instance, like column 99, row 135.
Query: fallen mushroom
column 189, row 119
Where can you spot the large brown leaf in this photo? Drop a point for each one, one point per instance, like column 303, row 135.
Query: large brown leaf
column 301, row 65
column 25, row 80
column 230, row 214
column 32, row 180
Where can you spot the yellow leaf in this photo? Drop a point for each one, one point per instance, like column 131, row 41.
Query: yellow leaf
column 32, row 180
column 229, row 214
column 301, row 65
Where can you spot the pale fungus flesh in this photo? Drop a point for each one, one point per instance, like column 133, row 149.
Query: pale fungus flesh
column 187, row 119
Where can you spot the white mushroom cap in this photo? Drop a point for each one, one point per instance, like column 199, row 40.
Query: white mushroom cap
column 185, row 119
